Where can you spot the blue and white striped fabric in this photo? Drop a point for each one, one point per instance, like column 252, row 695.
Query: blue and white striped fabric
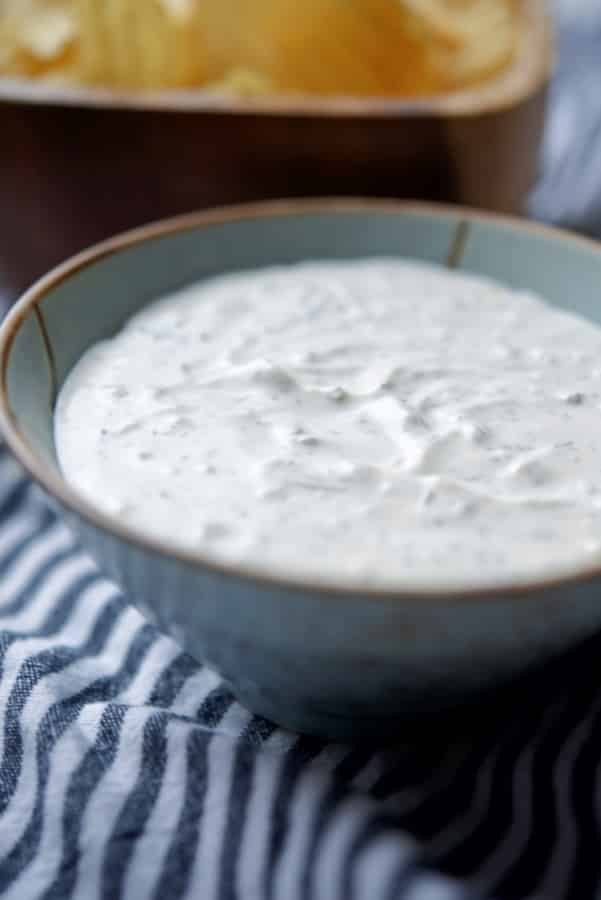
column 128, row 771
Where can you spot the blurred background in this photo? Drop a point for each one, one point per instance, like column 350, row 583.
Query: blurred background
column 569, row 186
column 104, row 128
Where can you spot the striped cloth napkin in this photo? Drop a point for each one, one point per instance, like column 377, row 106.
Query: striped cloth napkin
column 128, row 771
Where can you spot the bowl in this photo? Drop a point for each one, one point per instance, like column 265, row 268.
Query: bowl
column 77, row 165
column 328, row 660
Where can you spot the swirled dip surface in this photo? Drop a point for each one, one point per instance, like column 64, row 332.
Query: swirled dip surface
column 372, row 422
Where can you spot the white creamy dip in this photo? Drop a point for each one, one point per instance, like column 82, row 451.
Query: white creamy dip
column 373, row 422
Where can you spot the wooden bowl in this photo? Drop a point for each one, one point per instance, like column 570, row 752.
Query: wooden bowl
column 79, row 164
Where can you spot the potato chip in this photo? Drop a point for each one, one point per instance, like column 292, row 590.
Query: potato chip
column 361, row 47
column 250, row 47
column 47, row 35
column 320, row 46
column 242, row 83
column 35, row 38
column 465, row 39
column 127, row 43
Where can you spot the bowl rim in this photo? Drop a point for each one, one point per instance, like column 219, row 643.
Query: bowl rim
column 530, row 71
column 57, row 487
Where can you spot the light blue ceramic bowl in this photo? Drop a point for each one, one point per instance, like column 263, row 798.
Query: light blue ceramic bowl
column 337, row 663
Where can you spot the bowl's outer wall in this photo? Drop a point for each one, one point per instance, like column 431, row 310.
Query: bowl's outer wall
column 71, row 176
column 337, row 666
column 345, row 668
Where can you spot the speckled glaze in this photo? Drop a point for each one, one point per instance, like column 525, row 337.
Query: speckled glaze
column 335, row 663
